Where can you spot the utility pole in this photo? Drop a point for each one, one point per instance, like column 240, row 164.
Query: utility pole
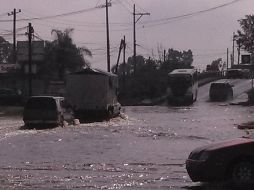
column 118, row 57
column 14, row 12
column 164, row 56
column 227, row 59
column 107, row 33
column 122, row 46
column 134, row 38
column 124, row 63
column 233, row 53
column 108, row 4
column 30, row 34
column 238, row 59
column 134, row 33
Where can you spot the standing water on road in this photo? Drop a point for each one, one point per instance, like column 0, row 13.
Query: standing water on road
column 145, row 148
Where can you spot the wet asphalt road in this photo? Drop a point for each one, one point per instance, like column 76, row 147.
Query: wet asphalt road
column 145, row 148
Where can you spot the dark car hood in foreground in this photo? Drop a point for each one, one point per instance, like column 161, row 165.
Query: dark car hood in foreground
column 225, row 144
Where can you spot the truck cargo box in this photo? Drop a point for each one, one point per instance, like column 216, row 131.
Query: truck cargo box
column 92, row 91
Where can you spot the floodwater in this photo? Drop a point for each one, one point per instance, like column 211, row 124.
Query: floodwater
column 144, row 148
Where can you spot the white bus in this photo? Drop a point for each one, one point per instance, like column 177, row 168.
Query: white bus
column 182, row 86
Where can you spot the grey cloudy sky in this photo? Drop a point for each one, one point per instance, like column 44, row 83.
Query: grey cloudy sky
column 208, row 34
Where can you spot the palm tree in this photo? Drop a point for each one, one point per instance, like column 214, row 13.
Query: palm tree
column 67, row 56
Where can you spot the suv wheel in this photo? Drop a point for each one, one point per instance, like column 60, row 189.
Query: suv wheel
column 110, row 112
column 230, row 95
column 61, row 121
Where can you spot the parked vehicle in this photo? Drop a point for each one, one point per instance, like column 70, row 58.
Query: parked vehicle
column 182, row 86
column 220, row 91
column 236, row 73
column 92, row 93
column 44, row 110
column 10, row 97
column 228, row 160
column 246, row 73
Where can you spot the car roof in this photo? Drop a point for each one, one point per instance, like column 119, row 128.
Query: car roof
column 183, row 71
column 220, row 84
column 224, row 81
column 235, row 69
column 7, row 89
column 53, row 97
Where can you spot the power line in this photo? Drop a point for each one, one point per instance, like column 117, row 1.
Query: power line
column 146, row 49
column 88, row 25
column 66, row 23
column 38, row 36
column 80, row 23
column 188, row 15
column 55, row 16
column 164, row 20
column 10, row 32
column 143, row 10
column 123, row 5
column 97, row 3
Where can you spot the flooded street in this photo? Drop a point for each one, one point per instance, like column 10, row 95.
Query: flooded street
column 145, row 148
column 126, row 95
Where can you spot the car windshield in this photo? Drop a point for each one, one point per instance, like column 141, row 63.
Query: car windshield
column 39, row 103
column 6, row 92
column 181, row 80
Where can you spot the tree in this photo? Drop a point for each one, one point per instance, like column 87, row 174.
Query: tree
column 176, row 59
column 150, row 78
column 6, row 51
column 245, row 36
column 62, row 55
column 187, row 58
column 215, row 65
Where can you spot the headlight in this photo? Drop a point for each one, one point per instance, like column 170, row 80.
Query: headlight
column 204, row 156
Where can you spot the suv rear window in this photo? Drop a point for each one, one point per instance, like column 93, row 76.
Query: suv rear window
column 39, row 103
column 218, row 85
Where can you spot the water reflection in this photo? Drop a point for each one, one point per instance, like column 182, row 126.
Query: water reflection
column 144, row 148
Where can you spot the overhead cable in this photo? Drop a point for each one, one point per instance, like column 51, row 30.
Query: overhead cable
column 55, row 16
column 166, row 20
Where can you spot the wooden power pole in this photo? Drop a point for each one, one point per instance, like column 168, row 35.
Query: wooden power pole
column 134, row 33
column 14, row 13
column 30, row 34
column 107, row 33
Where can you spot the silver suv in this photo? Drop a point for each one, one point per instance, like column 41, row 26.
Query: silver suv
column 220, row 91
column 44, row 111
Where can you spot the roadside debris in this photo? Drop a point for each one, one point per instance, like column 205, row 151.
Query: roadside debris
column 247, row 125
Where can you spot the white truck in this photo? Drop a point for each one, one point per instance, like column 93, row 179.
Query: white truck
column 92, row 93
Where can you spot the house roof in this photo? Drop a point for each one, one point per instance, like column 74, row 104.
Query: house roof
column 93, row 72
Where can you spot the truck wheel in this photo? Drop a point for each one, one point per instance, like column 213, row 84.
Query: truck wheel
column 29, row 126
column 196, row 95
column 110, row 112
